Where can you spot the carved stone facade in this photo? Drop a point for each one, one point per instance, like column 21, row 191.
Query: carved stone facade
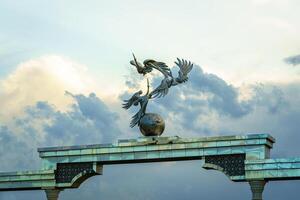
column 231, row 165
column 65, row 172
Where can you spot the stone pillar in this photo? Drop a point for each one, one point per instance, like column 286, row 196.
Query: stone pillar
column 52, row 194
column 257, row 188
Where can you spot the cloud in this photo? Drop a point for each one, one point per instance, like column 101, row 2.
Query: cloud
column 204, row 96
column 42, row 79
column 293, row 60
column 208, row 89
column 89, row 120
column 269, row 97
column 12, row 151
column 201, row 105
column 224, row 96
column 36, row 111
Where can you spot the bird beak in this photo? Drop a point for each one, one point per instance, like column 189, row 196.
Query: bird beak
column 136, row 64
column 132, row 63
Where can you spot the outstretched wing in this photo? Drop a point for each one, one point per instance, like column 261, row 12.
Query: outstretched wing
column 184, row 68
column 160, row 66
column 136, row 118
column 162, row 90
column 163, row 67
column 133, row 100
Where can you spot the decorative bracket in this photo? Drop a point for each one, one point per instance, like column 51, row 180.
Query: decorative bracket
column 76, row 173
column 231, row 165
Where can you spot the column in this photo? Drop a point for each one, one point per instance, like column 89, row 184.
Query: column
column 52, row 194
column 257, row 188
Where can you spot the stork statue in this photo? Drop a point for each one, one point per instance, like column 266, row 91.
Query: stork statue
column 152, row 124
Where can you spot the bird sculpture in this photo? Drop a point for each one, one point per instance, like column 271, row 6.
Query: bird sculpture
column 152, row 124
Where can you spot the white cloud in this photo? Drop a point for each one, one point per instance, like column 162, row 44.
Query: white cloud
column 42, row 79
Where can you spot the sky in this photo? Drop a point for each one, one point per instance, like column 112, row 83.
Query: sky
column 64, row 71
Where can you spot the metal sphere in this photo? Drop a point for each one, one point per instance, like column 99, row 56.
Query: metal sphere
column 152, row 124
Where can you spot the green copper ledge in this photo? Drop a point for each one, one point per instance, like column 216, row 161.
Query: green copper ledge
column 27, row 180
column 165, row 140
column 273, row 169
column 146, row 149
column 159, row 143
column 41, row 179
column 150, row 149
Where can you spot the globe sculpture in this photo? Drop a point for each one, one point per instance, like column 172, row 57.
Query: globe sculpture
column 152, row 124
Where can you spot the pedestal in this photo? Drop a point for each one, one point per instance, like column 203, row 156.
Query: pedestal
column 257, row 188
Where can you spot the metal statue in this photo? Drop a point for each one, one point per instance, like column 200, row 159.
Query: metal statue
column 152, row 124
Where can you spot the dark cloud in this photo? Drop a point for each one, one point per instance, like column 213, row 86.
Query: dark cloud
column 203, row 95
column 270, row 97
column 206, row 102
column 224, row 96
column 293, row 60
column 12, row 151
column 95, row 110
column 216, row 93
column 88, row 121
